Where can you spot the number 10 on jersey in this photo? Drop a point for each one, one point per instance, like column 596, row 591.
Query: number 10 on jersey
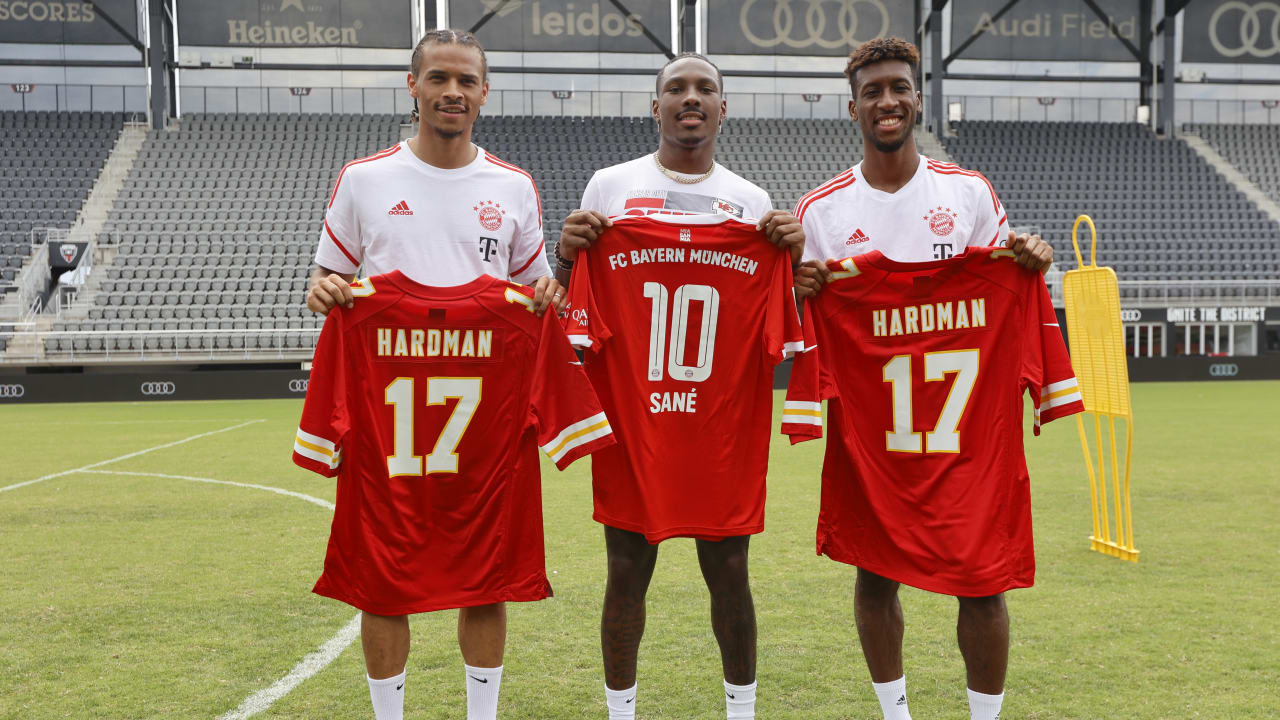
column 671, row 358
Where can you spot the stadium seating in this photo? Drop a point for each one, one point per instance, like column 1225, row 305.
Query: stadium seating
column 218, row 220
column 48, row 164
column 1253, row 149
column 1163, row 207
column 563, row 152
column 217, row 225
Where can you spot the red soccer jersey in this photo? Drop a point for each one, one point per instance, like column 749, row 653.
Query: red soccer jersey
column 924, row 479
column 683, row 319
column 429, row 404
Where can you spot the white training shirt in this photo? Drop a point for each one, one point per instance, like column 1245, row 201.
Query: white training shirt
column 637, row 187
column 939, row 212
column 392, row 211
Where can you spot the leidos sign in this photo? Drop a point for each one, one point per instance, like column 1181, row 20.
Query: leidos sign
column 295, row 23
column 565, row 25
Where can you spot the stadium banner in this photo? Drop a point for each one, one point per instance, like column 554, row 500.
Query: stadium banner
column 153, row 386
column 803, row 27
column 296, row 23
column 565, row 25
column 72, row 22
column 66, row 255
column 1220, row 31
column 1045, row 30
column 1202, row 367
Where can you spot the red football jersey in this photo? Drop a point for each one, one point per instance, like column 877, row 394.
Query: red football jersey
column 683, row 319
column 924, row 479
column 430, row 404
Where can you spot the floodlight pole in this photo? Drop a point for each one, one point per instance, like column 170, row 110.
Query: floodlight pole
column 1167, row 98
column 158, row 51
column 937, row 103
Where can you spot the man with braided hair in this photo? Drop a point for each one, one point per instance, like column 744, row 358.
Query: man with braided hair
column 444, row 212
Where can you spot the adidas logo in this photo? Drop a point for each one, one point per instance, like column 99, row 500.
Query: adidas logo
column 902, row 700
column 401, row 208
column 857, row 237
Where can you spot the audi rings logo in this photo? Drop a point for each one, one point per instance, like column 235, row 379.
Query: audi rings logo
column 1130, row 315
column 1224, row 370
column 12, row 392
column 1259, row 32
column 299, row 385
column 829, row 24
column 158, row 388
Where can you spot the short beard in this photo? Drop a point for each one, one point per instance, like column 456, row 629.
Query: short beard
column 446, row 134
column 892, row 147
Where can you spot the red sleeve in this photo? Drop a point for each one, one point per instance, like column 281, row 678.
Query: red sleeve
column 318, row 443
column 783, row 336
column 1046, row 366
column 566, row 412
column 802, row 409
column 583, row 324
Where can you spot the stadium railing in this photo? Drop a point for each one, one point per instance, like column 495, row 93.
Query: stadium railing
column 71, row 97
column 146, row 346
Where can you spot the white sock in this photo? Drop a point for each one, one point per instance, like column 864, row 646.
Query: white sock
column 621, row 703
column 482, row 692
column 893, row 699
column 740, row 701
column 984, row 707
column 388, row 697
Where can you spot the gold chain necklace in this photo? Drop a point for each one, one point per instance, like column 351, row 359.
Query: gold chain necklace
column 680, row 179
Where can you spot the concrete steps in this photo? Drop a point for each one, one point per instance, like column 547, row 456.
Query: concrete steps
column 1231, row 174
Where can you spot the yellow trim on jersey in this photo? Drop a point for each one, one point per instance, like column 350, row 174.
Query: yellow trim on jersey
column 519, row 298
column 565, row 440
column 850, row 270
column 1002, row 253
column 362, row 288
column 316, row 448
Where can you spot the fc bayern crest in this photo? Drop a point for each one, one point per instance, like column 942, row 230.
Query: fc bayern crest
column 490, row 214
column 942, row 220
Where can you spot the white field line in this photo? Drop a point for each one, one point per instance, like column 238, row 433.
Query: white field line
column 311, row 664
column 308, row 666
column 279, row 491
column 127, row 456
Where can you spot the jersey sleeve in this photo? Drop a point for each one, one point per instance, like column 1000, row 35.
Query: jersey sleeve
column 802, row 408
column 991, row 229
column 591, row 199
column 528, row 260
column 1046, row 366
column 325, row 420
column 566, row 412
column 583, row 324
column 340, row 248
column 812, row 234
column 783, row 336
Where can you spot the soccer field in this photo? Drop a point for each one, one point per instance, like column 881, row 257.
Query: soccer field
column 161, row 565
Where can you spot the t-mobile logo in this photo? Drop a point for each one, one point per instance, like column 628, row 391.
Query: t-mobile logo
column 488, row 246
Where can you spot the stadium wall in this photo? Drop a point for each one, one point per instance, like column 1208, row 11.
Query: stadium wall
column 139, row 384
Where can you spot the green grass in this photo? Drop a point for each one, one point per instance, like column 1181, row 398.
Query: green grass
column 141, row 597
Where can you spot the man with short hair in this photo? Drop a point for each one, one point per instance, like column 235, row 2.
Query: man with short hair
column 910, row 208
column 444, row 212
column 681, row 177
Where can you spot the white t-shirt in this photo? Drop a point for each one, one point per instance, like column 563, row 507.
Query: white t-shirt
column 392, row 211
column 637, row 187
column 939, row 212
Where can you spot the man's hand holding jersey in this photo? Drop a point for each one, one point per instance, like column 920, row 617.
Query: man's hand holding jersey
column 581, row 228
column 785, row 231
column 1030, row 251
